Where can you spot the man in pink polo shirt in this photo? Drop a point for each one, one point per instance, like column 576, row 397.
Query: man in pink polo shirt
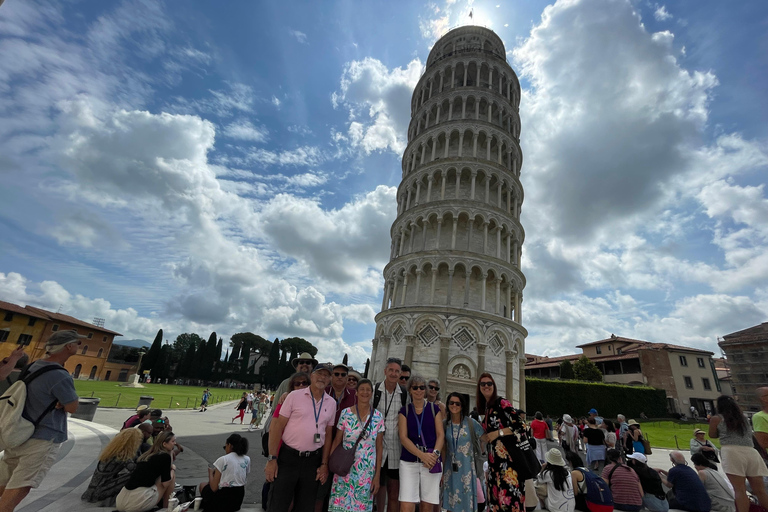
column 305, row 425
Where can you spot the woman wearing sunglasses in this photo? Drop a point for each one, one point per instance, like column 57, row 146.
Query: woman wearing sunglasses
column 420, row 425
column 463, row 458
column 504, row 429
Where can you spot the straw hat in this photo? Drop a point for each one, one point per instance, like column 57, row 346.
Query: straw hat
column 698, row 431
column 632, row 422
column 554, row 457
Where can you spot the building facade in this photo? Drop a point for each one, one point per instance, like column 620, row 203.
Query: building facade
column 747, row 355
column 453, row 286
column 31, row 327
column 688, row 375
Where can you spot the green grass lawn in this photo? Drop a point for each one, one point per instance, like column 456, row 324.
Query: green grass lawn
column 673, row 434
column 166, row 396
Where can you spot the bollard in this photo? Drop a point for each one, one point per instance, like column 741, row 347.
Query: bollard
column 676, row 444
column 118, row 399
column 92, row 392
column 170, row 403
column 195, row 406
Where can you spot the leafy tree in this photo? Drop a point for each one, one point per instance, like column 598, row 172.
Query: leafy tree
column 272, row 371
column 300, row 345
column 566, row 370
column 196, row 368
column 183, row 342
column 286, row 368
column 585, row 369
column 150, row 358
column 252, row 343
column 186, row 365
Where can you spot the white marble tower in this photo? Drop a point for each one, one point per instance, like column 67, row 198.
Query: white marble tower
column 453, row 286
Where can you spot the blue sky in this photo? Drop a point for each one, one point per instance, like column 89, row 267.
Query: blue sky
column 231, row 167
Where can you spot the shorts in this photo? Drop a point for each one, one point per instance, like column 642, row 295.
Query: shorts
column 388, row 474
column 742, row 461
column 140, row 499
column 27, row 464
column 418, row 484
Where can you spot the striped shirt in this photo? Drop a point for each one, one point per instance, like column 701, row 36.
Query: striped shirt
column 389, row 405
column 624, row 484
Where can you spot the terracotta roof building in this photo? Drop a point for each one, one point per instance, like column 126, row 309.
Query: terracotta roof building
column 687, row 374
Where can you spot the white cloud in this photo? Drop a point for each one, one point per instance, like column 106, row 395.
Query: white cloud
column 275, row 101
column 300, row 36
column 244, row 130
column 301, row 156
column 379, row 103
column 661, row 13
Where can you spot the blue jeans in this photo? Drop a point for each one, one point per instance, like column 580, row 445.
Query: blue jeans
column 654, row 504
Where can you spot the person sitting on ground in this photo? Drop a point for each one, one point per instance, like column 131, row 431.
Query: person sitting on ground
column 153, row 480
column 142, row 412
column 719, row 489
column 704, row 446
column 225, row 489
column 115, row 466
column 578, row 483
column 146, row 443
column 688, row 492
column 654, row 498
column 559, row 483
column 623, row 482
column 595, row 444
column 159, row 422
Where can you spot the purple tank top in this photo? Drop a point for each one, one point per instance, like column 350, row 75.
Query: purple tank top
column 428, row 433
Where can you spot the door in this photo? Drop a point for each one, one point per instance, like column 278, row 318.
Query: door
column 78, row 369
column 93, row 373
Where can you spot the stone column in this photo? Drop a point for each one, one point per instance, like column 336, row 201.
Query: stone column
column 450, row 110
column 498, row 194
column 510, row 380
column 466, row 72
column 411, row 236
column 429, row 188
column 485, row 237
column 384, row 299
column 445, row 346
column 498, row 295
column 509, row 301
column 405, row 289
column 453, row 77
column 437, row 238
column 487, row 189
column 508, row 256
column 514, row 253
column 481, row 359
column 424, row 235
column 498, row 242
column 432, row 287
column 418, row 193
column 410, row 342
column 419, row 273
column 490, row 110
column 478, row 76
column 408, row 198
column 453, row 234
column 474, row 177
column 458, row 182
column 482, row 303
column 402, row 242
column 466, row 288
column 490, row 78
column 431, row 83
column 461, row 143
column 442, row 185
column 487, row 148
column 437, row 117
column 450, row 287
column 434, row 147
column 469, row 235
column 477, row 109
column 394, row 292
column 509, row 200
column 423, row 153
column 426, row 121
column 463, row 108
column 442, row 75
column 474, row 145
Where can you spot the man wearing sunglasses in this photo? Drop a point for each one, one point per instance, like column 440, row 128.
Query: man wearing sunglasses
column 389, row 396
column 305, row 363
column 50, row 396
column 344, row 398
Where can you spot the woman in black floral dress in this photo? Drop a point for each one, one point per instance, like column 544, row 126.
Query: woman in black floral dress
column 503, row 427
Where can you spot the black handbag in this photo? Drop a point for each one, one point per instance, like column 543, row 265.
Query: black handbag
column 524, row 456
column 341, row 460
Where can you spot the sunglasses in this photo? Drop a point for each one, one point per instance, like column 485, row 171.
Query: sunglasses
column 434, row 388
column 419, row 388
column 303, row 361
column 339, row 374
column 457, row 404
column 302, row 384
column 486, row 384
column 351, row 379
column 405, row 377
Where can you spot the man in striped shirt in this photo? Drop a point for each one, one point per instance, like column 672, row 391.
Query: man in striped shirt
column 389, row 397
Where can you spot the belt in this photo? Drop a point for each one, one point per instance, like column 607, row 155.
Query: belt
column 306, row 454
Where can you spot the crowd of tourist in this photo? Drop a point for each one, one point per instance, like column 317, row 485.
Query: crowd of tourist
column 336, row 441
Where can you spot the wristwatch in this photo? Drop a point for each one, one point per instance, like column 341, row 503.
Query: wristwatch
column 273, row 457
column 501, row 432
column 436, row 452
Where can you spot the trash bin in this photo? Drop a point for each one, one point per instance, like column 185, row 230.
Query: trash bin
column 145, row 400
column 86, row 408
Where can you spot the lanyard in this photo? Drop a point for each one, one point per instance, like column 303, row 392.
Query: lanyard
column 455, row 438
column 316, row 410
column 386, row 409
column 419, row 421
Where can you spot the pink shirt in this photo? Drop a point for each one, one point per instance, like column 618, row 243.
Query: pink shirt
column 300, row 430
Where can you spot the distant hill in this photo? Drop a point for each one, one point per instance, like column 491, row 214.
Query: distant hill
column 133, row 343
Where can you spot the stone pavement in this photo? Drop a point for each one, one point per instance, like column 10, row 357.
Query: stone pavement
column 70, row 475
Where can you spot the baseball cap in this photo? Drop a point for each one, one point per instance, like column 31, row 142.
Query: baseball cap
column 328, row 367
column 593, row 411
column 638, row 456
column 63, row 337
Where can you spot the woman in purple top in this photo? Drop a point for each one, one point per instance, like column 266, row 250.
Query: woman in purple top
column 420, row 425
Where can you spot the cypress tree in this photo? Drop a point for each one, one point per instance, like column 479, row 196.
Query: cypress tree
column 208, row 358
column 345, row 361
column 151, row 357
column 367, row 367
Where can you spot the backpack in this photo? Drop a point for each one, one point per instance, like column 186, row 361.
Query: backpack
column 377, row 395
column 15, row 428
column 598, row 496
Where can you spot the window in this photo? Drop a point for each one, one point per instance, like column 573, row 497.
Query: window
column 101, row 351
column 599, row 350
column 85, row 349
column 78, row 369
column 700, row 362
column 90, row 335
column 8, row 317
column 24, row 339
column 683, row 361
column 618, row 351
column 104, row 338
column 109, row 374
column 4, row 335
column 706, row 384
column 55, row 327
column 31, row 321
column 688, row 382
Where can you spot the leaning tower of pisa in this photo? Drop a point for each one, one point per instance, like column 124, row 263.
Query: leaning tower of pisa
column 453, row 285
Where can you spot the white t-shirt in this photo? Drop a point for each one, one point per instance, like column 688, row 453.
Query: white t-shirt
column 234, row 469
column 558, row 501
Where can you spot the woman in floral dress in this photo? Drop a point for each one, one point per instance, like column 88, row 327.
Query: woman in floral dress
column 355, row 492
column 460, row 471
column 503, row 428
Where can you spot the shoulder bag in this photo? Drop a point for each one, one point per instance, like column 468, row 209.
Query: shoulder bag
column 519, row 446
column 341, row 460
